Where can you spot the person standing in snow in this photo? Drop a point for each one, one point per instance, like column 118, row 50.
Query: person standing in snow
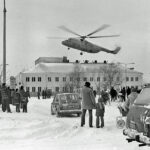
column 5, row 98
column 17, row 100
column 38, row 94
column 100, row 110
column 88, row 103
column 24, row 99
column 124, row 108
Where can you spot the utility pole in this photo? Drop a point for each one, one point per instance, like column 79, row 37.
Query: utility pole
column 4, row 44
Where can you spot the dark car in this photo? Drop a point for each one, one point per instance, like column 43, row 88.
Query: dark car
column 66, row 103
column 138, row 119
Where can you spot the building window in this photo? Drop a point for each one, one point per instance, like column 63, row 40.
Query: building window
column 57, row 79
column 85, row 79
column 39, row 79
column 49, row 79
column 71, row 78
column 33, row 79
column 27, row 79
column 98, row 78
column 127, row 78
column 28, row 89
column 136, row 79
column 64, row 89
column 71, row 89
column 33, row 89
column 132, row 79
column 91, row 78
column 39, row 89
column 64, row 79
column 57, row 89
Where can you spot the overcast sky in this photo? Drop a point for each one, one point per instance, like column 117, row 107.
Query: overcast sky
column 30, row 22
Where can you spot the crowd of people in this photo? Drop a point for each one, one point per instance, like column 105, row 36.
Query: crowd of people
column 125, row 95
column 19, row 98
column 16, row 97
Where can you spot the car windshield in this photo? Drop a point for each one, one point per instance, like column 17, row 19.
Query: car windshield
column 68, row 98
column 144, row 97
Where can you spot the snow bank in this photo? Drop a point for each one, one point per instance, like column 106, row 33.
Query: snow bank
column 39, row 130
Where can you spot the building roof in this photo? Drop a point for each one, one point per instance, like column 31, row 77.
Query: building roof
column 70, row 67
column 51, row 67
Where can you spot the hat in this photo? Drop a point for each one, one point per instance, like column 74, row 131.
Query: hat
column 87, row 84
column 4, row 84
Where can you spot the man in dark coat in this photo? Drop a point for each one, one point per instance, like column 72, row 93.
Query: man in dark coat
column 113, row 94
column 88, row 103
column 24, row 99
column 5, row 98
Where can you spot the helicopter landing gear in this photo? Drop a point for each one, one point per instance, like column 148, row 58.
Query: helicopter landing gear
column 81, row 53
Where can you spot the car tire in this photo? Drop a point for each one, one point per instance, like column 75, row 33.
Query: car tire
column 78, row 114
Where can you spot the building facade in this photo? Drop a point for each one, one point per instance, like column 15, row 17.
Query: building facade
column 56, row 76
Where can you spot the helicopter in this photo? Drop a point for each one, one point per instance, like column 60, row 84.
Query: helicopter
column 80, row 42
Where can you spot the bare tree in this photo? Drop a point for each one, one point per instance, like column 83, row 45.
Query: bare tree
column 97, row 80
column 112, row 75
column 75, row 79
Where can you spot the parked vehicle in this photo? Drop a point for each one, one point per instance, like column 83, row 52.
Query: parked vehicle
column 138, row 119
column 66, row 103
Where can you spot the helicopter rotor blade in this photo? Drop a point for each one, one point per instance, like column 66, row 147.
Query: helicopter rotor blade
column 99, row 29
column 68, row 30
column 57, row 37
column 105, row 36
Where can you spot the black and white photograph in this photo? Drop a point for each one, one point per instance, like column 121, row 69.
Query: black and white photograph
column 74, row 74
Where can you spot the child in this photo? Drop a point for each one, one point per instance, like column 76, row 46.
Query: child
column 100, row 110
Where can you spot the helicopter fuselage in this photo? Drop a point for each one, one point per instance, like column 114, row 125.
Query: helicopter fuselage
column 82, row 45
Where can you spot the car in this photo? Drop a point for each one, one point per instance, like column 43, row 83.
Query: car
column 138, row 119
column 66, row 103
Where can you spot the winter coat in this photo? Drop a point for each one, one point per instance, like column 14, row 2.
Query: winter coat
column 12, row 96
column 105, row 96
column 88, row 99
column 23, row 97
column 16, row 98
column 100, row 109
column 113, row 93
column 129, row 102
column 4, row 93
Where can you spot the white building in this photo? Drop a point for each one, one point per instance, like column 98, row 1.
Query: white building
column 53, row 75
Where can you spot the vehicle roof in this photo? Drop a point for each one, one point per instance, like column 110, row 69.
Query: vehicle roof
column 144, row 97
column 66, row 93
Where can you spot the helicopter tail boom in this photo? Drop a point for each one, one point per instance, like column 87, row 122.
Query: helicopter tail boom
column 116, row 50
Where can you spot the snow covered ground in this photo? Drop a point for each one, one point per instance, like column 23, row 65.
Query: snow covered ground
column 39, row 130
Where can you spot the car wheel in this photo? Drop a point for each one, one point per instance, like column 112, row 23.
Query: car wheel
column 78, row 114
